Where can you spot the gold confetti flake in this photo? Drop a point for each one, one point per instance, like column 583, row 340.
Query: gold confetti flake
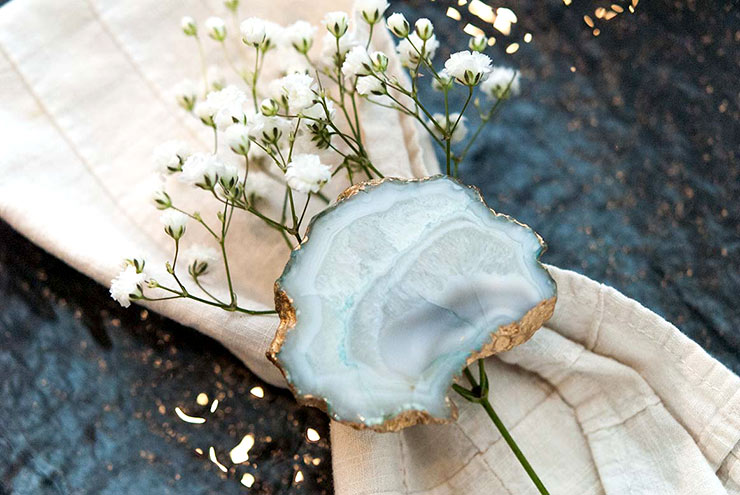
column 189, row 419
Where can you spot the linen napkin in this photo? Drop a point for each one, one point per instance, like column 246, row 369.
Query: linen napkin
column 608, row 399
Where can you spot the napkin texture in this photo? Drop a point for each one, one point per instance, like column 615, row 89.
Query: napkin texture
column 609, row 398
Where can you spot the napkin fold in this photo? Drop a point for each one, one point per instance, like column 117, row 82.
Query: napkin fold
column 609, row 398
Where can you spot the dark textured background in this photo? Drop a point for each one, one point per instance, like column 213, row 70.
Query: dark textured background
column 622, row 153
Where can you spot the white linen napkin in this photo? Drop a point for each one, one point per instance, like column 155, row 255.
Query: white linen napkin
column 609, row 399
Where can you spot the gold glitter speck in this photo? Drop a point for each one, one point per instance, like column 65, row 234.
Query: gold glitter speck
column 189, row 419
column 214, row 459
column 247, row 480
column 312, row 435
column 240, row 453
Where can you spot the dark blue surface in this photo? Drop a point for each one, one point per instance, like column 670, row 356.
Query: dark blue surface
column 626, row 164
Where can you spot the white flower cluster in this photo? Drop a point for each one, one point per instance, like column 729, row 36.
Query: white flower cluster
column 223, row 108
column 174, row 223
column 169, row 156
column 287, row 121
column 306, row 173
column 262, row 34
column 502, row 82
column 205, row 169
column 468, row 68
column 128, row 285
column 296, row 91
column 371, row 11
column 459, row 132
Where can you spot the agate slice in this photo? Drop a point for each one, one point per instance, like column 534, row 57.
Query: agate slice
column 395, row 289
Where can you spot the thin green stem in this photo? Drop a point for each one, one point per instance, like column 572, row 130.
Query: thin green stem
column 222, row 243
column 293, row 214
column 255, row 75
column 174, row 265
column 210, row 303
column 478, row 393
column 200, row 286
column 305, row 207
column 514, row 447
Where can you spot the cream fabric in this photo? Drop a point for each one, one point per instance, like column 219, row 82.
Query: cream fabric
column 609, row 399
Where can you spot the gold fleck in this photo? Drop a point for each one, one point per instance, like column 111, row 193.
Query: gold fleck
column 482, row 10
column 453, row 13
column 189, row 419
column 572, row 68
column 240, row 453
column 512, row 48
column 199, row 451
column 589, row 22
column 462, row 2
column 298, row 476
column 214, row 406
column 257, row 392
column 528, row 37
column 566, row 2
column 312, row 435
column 504, row 19
column 600, row 12
column 617, row 8
column 214, row 459
column 597, row 32
column 491, row 41
column 202, row 399
column 247, row 480
column 473, row 30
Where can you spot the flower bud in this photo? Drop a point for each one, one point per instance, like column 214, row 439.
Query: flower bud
column 379, row 61
column 300, row 34
column 137, row 262
column 371, row 11
column 174, row 223
column 228, row 178
column 369, row 85
column 269, row 107
column 162, row 200
column 186, row 94
column 216, row 28
column 336, row 23
column 253, row 31
column 477, row 43
column 424, row 28
column 232, row 5
column 237, row 137
column 443, row 82
column 188, row 26
column 398, row 25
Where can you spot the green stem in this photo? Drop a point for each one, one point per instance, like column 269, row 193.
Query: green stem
column 514, row 447
column 222, row 242
column 200, row 286
column 210, row 303
column 254, row 79
column 478, row 393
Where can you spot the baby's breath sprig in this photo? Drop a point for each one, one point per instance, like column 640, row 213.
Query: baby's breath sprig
column 270, row 139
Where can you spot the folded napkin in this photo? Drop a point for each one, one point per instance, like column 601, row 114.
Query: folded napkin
column 609, row 399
